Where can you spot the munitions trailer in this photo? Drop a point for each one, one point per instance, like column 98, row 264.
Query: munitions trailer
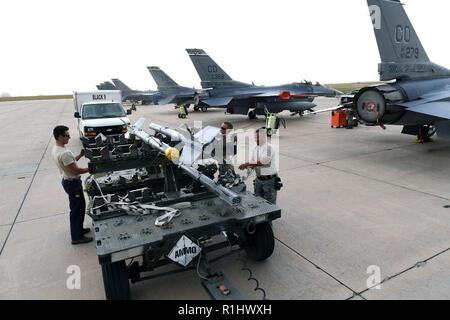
column 149, row 211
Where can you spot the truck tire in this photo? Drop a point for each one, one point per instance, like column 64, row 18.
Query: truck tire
column 260, row 245
column 115, row 281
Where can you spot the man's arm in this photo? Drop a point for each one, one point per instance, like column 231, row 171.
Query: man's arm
column 75, row 170
column 264, row 162
column 251, row 165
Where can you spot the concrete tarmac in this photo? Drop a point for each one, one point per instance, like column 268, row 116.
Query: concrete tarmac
column 359, row 207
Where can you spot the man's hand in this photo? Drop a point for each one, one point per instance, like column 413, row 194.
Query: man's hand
column 81, row 155
column 244, row 166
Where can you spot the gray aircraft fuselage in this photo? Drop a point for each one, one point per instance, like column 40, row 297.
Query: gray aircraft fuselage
column 178, row 95
column 146, row 97
column 295, row 97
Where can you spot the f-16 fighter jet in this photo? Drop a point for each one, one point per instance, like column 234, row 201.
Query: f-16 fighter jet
column 242, row 98
column 128, row 94
column 419, row 98
column 172, row 92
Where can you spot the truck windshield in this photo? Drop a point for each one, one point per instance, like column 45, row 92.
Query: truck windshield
column 106, row 110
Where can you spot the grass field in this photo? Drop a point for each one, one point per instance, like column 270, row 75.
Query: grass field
column 349, row 87
column 29, row 98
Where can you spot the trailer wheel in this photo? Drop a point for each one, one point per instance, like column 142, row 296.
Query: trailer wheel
column 260, row 245
column 115, row 281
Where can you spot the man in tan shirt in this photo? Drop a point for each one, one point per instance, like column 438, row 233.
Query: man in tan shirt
column 71, row 182
column 265, row 163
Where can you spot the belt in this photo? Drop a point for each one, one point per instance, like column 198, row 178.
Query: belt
column 73, row 179
column 267, row 177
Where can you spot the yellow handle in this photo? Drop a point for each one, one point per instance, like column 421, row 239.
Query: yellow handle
column 172, row 154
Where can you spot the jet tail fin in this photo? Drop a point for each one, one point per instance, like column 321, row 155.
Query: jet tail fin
column 163, row 81
column 120, row 85
column 402, row 54
column 210, row 73
column 106, row 86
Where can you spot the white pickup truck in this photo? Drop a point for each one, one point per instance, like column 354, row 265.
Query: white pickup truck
column 100, row 112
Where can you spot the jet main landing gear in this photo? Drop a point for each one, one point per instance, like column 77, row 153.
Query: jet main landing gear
column 426, row 132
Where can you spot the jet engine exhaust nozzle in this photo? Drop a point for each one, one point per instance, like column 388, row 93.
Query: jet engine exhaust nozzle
column 370, row 106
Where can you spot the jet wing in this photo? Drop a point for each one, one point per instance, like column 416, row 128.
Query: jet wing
column 435, row 104
column 167, row 100
column 437, row 109
column 218, row 102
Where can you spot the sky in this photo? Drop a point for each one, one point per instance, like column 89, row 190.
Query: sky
column 61, row 46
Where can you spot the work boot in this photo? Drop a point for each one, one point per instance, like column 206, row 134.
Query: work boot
column 82, row 240
column 86, row 230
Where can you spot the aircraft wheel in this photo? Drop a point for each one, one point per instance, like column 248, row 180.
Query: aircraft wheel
column 260, row 245
column 204, row 109
column 252, row 115
column 115, row 281
column 426, row 132
column 196, row 108
column 196, row 99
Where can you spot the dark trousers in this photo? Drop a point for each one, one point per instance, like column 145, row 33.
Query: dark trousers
column 77, row 206
column 266, row 189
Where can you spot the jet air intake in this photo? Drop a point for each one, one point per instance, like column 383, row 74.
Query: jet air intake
column 377, row 105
